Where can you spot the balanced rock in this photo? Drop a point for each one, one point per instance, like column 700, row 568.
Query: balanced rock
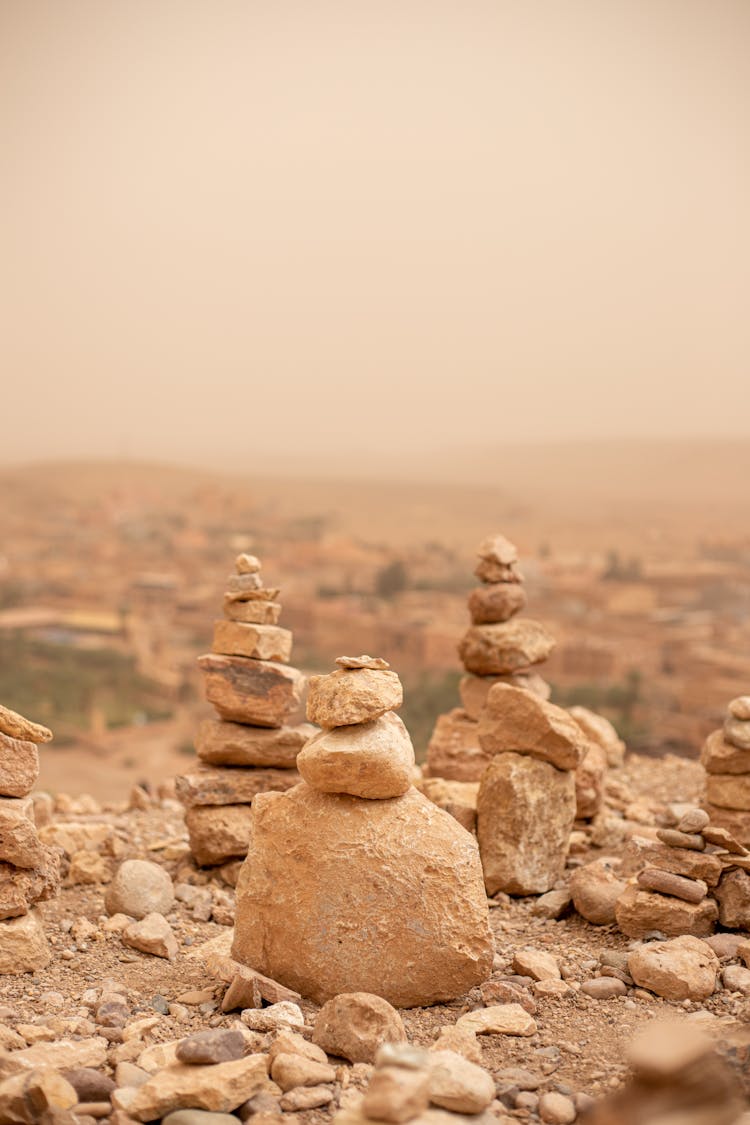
column 640, row 913
column 260, row 692
column 493, row 604
column 682, row 969
column 220, row 743
column 739, row 708
column 373, row 760
column 16, row 726
column 226, row 785
column 344, row 895
column 518, row 721
column 721, row 756
column 352, row 695
column 475, row 689
column 259, row 642
column 737, row 731
column 496, row 650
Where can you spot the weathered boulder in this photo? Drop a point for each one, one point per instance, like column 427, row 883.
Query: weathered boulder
column 496, row 650
column 640, row 913
column 352, row 695
column 220, row 743
column 373, row 760
column 517, row 721
column 218, row 832
column 454, row 751
column 259, row 692
column 682, row 969
column 342, row 895
column 595, row 889
column 353, row 1025
column 525, row 813
column 259, row 642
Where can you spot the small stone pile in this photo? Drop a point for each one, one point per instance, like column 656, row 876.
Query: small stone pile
column 495, row 649
column 354, row 881
column 29, row 869
column 253, row 745
column 726, row 759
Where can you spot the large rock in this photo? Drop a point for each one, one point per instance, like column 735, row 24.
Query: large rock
column 352, row 695
column 20, row 887
column 341, row 895
column 259, row 692
column 230, row 785
column 497, row 650
column 221, row 743
column 600, row 730
column 353, row 1025
column 525, row 813
column 23, row 945
column 454, row 751
column 138, row 888
column 640, row 913
column 491, row 605
column 15, row 726
column 474, row 689
column 719, row 756
column 218, row 832
column 517, row 721
column 733, row 896
column 259, row 642
column 590, row 777
column 373, row 760
column 595, row 889
column 19, row 766
column 682, row 969
column 729, row 791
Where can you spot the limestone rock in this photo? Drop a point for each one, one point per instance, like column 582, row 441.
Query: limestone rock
column 220, row 743
column 595, row 889
column 258, row 642
column 246, row 582
column 19, row 766
column 373, row 760
column 216, row 1045
column 497, row 650
column 682, row 969
column 291, row 1070
column 354, row 663
column 590, row 777
column 19, row 842
column 729, row 791
column 229, row 785
column 525, row 813
column 23, row 945
column 346, row 697
column 720, row 756
column 491, row 605
column 474, row 689
column 600, row 730
column 20, row 887
column 259, row 692
column 354, row 1025
column 498, row 1019
column 30, row 1098
column 682, row 861
column 640, row 913
column 735, row 822
column 152, row 934
column 458, row 798
column 454, row 752
column 218, row 832
column 219, row 1088
column 457, row 1084
column 139, row 888
column 733, row 896
column 737, row 731
column 338, row 895
column 252, row 613
column 395, row 1094
column 536, row 963
column 15, row 726
column 515, row 720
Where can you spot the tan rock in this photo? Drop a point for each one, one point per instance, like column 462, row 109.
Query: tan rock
column 737, row 732
column 218, row 832
column 354, row 663
column 31, row 1098
column 733, row 896
column 496, row 548
column 474, row 689
column 497, row 650
column 595, row 889
column 590, row 778
column 492, row 572
column 395, row 1095
column 15, row 726
column 21, row 887
column 19, row 842
column 735, row 822
column 491, row 605
column 498, row 1019
column 152, row 934
column 258, row 642
column 525, row 813
column 230, row 785
column 220, row 743
column 88, row 869
column 252, row 613
column 600, row 730
column 739, row 708
column 640, row 913
column 353, row 1025
column 23, row 945
column 373, row 760
column 62, row 1054
column 290, row 1043
column 536, row 963
column 515, row 720
column 19, row 766
column 291, row 1070
column 457, row 1084
column 458, row 798
column 139, row 888
column 454, row 752
column 462, row 1040
column 249, row 593
column 682, row 861
column 667, row 883
column 345, row 697
column 682, row 969
column 247, row 564
column 259, row 692
column 410, row 925
column 220, row 1088
column 74, row 836
column 693, row 841
column 720, row 756
column 729, row 791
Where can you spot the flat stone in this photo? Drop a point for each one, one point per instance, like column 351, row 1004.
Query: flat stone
column 373, row 760
column 453, row 751
column 722, row 838
column 262, row 693
column 383, row 897
column 515, row 720
column 552, row 904
column 248, row 989
column 497, row 650
column 491, row 605
column 536, row 963
column 737, row 732
column 682, row 861
column 220, row 743
column 152, row 934
column 682, row 969
column 375, row 663
column 498, row 1019
column 257, row 642
column 475, row 689
column 599, row 729
column 23, row 945
column 230, row 785
column 19, row 766
column 247, row 582
column 62, row 1054
column 720, row 756
column 640, row 913
column 15, row 726
column 674, row 839
column 525, row 813
column 252, row 612
column 19, row 841
column 276, row 1017
column 219, row 1088
column 91, row 1085
column 205, row 1048
column 346, row 697
column 729, row 791
column 218, row 832
column 138, row 888
column 354, row 1025
column 733, row 896
column 737, row 823
column 306, row 1097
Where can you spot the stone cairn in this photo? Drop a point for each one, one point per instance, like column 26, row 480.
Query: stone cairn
column 253, row 745
column 29, row 869
column 726, row 759
column 354, row 881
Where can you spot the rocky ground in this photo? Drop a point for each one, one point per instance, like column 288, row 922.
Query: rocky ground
column 577, row 1049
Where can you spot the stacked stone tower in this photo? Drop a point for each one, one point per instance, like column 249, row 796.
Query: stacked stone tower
column 29, row 869
column 726, row 759
column 253, row 745
column 354, row 881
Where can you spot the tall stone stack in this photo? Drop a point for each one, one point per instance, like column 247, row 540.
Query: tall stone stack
column 497, row 648
column 354, row 881
column 252, row 746
column 726, row 759
column 29, row 869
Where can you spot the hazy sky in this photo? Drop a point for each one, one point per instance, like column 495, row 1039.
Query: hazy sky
column 241, row 229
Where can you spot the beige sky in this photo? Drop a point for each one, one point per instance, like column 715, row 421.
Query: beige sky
column 241, row 231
